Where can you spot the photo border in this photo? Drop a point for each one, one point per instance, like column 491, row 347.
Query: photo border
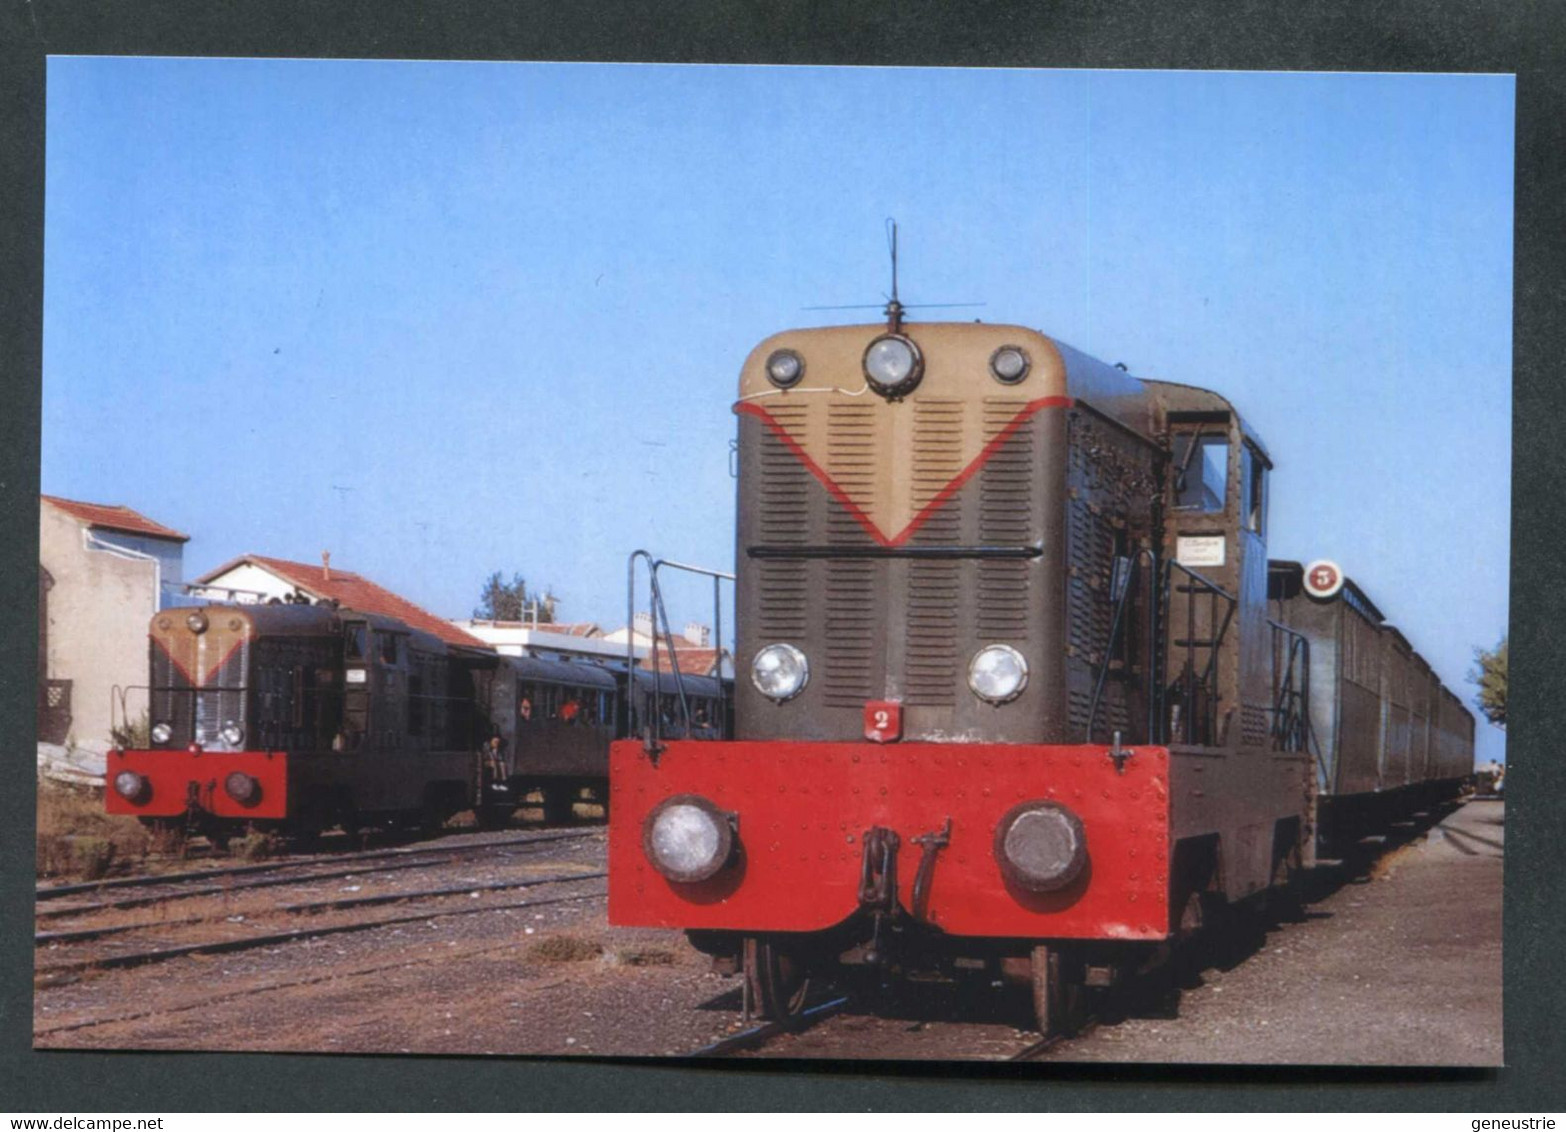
column 1140, row 34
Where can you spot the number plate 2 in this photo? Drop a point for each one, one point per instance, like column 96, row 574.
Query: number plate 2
column 883, row 721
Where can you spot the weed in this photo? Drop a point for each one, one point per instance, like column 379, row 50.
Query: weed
column 564, row 949
column 644, row 957
column 75, row 836
column 256, row 846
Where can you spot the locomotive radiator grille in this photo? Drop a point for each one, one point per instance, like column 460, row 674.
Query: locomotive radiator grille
column 937, row 461
column 1006, row 510
column 1003, row 600
column 1091, row 555
column 930, row 661
column 1112, row 714
column 785, row 485
column 902, row 473
column 851, row 645
column 852, row 461
column 784, row 591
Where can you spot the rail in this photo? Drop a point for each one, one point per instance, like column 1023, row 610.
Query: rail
column 652, row 733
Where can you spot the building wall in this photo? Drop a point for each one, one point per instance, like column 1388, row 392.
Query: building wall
column 98, row 611
column 170, row 556
column 249, row 580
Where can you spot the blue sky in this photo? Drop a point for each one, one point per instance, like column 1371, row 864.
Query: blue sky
column 448, row 318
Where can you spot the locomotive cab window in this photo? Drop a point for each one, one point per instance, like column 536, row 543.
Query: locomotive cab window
column 1202, row 474
column 354, row 642
column 1253, row 487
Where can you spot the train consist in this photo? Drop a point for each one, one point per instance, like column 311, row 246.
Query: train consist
column 1026, row 698
column 300, row 717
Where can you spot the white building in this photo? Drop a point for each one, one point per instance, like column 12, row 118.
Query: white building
column 103, row 571
column 546, row 640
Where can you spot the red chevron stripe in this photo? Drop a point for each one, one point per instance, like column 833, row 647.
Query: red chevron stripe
column 1023, row 416
column 211, row 671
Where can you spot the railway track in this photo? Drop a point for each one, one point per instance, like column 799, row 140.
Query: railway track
column 54, row 892
column 48, row 972
column 93, row 938
column 758, row 1036
column 186, row 886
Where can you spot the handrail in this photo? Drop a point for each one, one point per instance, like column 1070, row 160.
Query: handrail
column 658, row 612
column 1191, row 683
column 1291, row 729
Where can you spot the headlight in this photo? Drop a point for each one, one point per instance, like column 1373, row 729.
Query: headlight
column 196, row 622
column 241, row 787
column 129, row 785
column 1040, row 846
column 780, row 672
column 232, row 733
column 893, row 365
column 997, row 674
column 687, row 838
column 161, row 732
column 785, row 368
column 1009, row 364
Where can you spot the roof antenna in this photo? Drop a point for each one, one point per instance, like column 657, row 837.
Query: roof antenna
column 894, row 309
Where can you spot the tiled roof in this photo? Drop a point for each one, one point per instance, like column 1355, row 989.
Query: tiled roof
column 355, row 592
column 115, row 517
column 693, row 661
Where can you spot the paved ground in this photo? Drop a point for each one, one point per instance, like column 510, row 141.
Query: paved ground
column 1398, row 967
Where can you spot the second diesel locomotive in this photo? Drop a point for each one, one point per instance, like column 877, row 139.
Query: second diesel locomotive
column 1017, row 701
column 299, row 717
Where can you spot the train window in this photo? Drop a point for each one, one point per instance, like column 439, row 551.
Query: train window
column 388, row 644
column 1202, row 476
column 353, row 642
column 1254, row 487
column 527, row 701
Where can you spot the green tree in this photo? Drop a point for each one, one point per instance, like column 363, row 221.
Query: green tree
column 1491, row 678
column 501, row 600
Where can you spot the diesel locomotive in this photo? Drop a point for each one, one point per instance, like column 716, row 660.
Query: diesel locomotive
column 296, row 718
column 1025, row 697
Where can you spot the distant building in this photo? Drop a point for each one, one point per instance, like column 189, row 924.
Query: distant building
column 103, row 571
column 253, row 578
column 693, row 648
column 547, row 640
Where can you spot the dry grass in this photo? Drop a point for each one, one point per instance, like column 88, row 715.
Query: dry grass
column 643, row 956
column 564, row 949
column 257, row 846
column 77, row 839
